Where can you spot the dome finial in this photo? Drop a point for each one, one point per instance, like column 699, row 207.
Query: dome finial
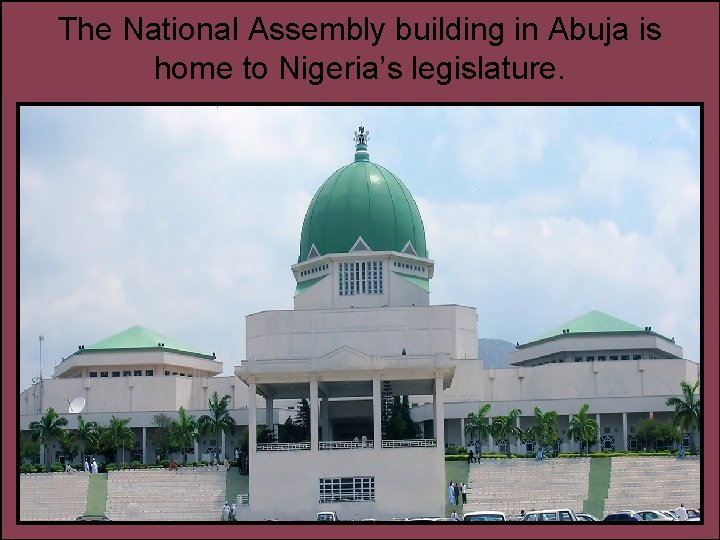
column 362, row 136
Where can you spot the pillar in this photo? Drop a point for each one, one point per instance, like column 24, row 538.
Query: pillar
column 439, row 416
column 624, row 445
column 197, row 449
column 462, row 432
column 222, row 445
column 377, row 412
column 597, row 419
column 144, row 444
column 491, row 441
column 252, row 422
column 314, row 415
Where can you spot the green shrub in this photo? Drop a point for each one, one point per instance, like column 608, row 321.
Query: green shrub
column 27, row 468
column 135, row 464
column 109, row 467
column 57, row 467
column 39, row 468
column 165, row 463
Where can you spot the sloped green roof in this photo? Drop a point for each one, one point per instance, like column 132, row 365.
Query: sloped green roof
column 362, row 199
column 305, row 285
column 139, row 337
column 423, row 283
column 592, row 322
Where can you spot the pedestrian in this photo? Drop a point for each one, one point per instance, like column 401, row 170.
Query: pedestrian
column 522, row 514
column 451, row 494
column 237, row 458
column 463, row 491
column 226, row 512
column 457, row 492
column 94, row 466
column 454, row 515
column 681, row 512
column 233, row 512
column 86, row 465
column 215, row 462
column 227, row 464
column 471, row 456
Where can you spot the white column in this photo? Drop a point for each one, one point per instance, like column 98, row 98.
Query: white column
column 222, row 445
column 313, row 415
column 269, row 414
column 439, row 420
column 377, row 413
column 462, row 432
column 144, row 444
column 252, row 422
column 597, row 419
column 569, row 441
column 197, row 449
column 491, row 441
column 625, row 435
column 517, row 441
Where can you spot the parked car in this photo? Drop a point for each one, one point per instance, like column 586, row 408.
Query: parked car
column 486, row 516
column 327, row 516
column 693, row 515
column 653, row 515
column 556, row 514
column 627, row 515
column 586, row 517
column 94, row 517
column 671, row 514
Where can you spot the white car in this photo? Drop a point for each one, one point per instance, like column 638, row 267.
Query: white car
column 654, row 515
column 586, row 517
column 557, row 514
column 484, row 515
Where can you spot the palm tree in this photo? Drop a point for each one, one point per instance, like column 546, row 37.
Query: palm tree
column 183, row 431
column 687, row 410
column 504, row 427
column 50, row 425
column 479, row 423
column 545, row 429
column 583, row 428
column 87, row 435
column 219, row 418
column 68, row 445
column 119, row 434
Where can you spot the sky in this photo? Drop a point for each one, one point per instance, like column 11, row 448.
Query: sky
column 187, row 219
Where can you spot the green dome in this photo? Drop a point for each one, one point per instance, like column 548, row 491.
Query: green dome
column 362, row 199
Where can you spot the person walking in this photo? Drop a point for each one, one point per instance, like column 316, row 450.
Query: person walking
column 226, row 512
column 463, row 492
column 233, row 512
column 454, row 515
column 681, row 512
column 457, row 492
column 86, row 465
column 451, row 494
column 93, row 466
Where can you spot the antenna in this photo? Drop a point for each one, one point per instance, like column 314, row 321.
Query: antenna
column 76, row 405
column 41, row 339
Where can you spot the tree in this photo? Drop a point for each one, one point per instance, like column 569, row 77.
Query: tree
column 29, row 449
column 219, row 418
column 649, row 431
column 583, row 428
column 302, row 420
column 505, row 427
column 410, row 429
column 480, row 424
column 687, row 410
column 183, row 431
column 86, row 435
column 68, row 446
column 49, row 426
column 119, row 435
column 162, row 436
column 544, row 431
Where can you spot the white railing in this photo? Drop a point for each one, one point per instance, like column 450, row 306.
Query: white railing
column 410, row 443
column 244, row 499
column 344, row 445
column 283, row 447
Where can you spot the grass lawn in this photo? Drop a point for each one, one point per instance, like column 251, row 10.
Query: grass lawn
column 455, row 471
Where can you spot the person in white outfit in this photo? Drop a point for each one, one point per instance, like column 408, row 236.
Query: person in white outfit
column 94, row 467
column 681, row 512
column 233, row 512
column 86, row 466
column 226, row 512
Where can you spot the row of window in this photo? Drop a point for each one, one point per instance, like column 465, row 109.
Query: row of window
column 409, row 266
column 364, row 277
column 347, row 489
column 313, row 270
column 136, row 373
column 603, row 358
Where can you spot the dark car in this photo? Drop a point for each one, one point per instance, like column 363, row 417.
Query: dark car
column 99, row 517
column 623, row 516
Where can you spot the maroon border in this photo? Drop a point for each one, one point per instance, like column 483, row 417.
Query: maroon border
column 39, row 66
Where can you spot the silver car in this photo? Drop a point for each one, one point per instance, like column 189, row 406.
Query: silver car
column 654, row 515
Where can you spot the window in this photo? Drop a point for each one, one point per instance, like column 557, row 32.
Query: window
column 167, row 373
column 578, row 358
column 126, row 373
column 115, row 373
column 601, row 358
column 625, row 357
column 613, row 357
column 148, row 372
column 347, row 489
column 93, row 373
column 362, row 277
column 138, row 372
column 590, row 359
column 636, row 357
column 103, row 373
column 174, row 372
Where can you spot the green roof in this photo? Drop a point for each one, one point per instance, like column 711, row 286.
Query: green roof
column 423, row 283
column 362, row 199
column 592, row 322
column 139, row 337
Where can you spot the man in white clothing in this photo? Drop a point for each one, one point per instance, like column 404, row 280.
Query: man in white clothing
column 94, row 467
column 681, row 512
column 226, row 512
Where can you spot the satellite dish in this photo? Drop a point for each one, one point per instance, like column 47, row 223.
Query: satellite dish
column 76, row 405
